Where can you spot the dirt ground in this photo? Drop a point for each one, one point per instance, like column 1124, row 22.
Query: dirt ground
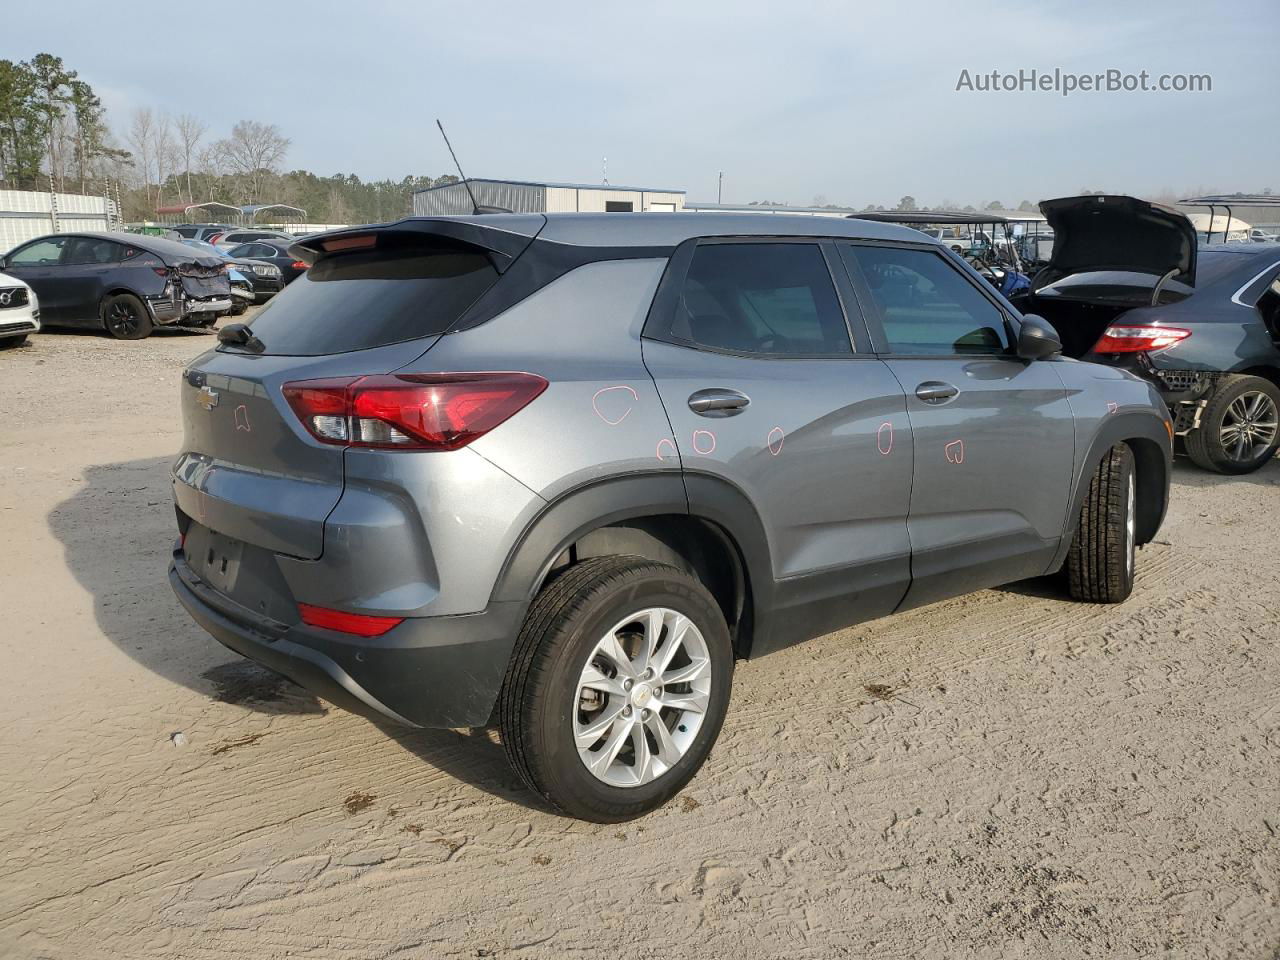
column 1004, row 775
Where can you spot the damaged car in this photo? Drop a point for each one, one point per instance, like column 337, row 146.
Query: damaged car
column 123, row 283
column 1128, row 285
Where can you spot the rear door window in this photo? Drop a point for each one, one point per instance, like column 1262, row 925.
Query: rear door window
column 926, row 306
column 761, row 298
column 359, row 300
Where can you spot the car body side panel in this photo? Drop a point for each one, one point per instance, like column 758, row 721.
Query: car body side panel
column 601, row 415
column 992, row 474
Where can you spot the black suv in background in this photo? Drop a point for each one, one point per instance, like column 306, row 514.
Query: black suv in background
column 121, row 282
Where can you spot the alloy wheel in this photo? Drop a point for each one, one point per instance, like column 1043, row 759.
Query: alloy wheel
column 1249, row 426
column 642, row 697
column 123, row 319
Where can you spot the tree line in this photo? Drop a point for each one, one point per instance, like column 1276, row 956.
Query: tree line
column 55, row 135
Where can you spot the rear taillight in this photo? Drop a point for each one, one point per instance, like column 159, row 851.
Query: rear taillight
column 1134, row 339
column 161, row 271
column 299, row 265
column 411, row 411
column 362, row 625
column 213, row 238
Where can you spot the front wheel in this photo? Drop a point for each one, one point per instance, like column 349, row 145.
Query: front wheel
column 617, row 688
column 1100, row 564
column 126, row 318
column 1239, row 427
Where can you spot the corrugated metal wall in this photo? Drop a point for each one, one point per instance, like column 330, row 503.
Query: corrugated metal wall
column 27, row 214
column 536, row 198
column 453, row 199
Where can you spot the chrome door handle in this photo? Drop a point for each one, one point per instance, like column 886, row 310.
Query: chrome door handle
column 718, row 402
column 935, row 391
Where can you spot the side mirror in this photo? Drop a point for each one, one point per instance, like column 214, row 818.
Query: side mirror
column 1037, row 339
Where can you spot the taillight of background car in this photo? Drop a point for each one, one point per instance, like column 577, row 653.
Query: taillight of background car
column 1125, row 338
column 427, row 411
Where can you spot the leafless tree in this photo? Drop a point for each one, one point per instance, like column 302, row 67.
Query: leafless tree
column 253, row 150
column 142, row 138
column 166, row 153
column 191, row 131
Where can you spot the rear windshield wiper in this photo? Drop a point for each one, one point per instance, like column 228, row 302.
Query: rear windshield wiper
column 239, row 335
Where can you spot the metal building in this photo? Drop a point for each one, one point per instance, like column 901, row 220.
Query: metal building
column 520, row 196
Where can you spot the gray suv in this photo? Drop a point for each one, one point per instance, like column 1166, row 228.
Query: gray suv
column 561, row 472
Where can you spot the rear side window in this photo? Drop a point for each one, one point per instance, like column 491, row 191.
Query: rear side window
column 355, row 301
column 926, row 306
column 762, row 298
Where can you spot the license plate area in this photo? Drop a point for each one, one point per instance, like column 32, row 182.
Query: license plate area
column 214, row 558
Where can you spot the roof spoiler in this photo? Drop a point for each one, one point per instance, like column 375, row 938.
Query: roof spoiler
column 503, row 241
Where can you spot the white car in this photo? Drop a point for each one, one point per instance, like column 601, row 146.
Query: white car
column 19, row 311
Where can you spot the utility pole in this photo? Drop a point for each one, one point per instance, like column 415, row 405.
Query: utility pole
column 720, row 188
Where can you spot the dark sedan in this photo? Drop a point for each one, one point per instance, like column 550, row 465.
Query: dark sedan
column 272, row 251
column 1128, row 286
column 124, row 283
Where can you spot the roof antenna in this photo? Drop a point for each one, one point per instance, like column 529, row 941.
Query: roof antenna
column 476, row 208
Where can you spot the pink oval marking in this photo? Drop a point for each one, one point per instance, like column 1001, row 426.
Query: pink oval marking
column 698, row 447
column 954, row 451
column 614, row 402
column 775, row 440
column 670, row 443
column 884, row 439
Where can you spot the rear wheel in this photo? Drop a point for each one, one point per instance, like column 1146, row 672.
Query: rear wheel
column 125, row 317
column 9, row 342
column 1100, row 564
column 1239, row 427
column 617, row 687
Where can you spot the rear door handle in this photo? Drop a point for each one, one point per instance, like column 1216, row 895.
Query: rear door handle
column 718, row 402
column 935, row 391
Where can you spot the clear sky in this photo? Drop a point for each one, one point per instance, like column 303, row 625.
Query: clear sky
column 853, row 102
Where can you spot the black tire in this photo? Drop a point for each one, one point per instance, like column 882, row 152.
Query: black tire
column 125, row 317
column 1100, row 564
column 1207, row 446
column 9, row 342
column 539, row 701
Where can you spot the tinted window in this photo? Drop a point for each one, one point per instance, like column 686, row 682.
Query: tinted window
column 188, row 232
column 771, row 298
column 353, row 301
column 926, row 305
column 39, row 254
column 91, row 250
column 244, row 250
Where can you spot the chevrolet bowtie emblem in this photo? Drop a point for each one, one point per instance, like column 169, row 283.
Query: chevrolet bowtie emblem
column 207, row 398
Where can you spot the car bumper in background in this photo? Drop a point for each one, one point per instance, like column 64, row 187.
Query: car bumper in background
column 426, row 672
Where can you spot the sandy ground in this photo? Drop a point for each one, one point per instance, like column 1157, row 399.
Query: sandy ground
column 1005, row 775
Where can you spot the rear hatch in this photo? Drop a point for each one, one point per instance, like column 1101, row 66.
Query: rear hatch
column 373, row 301
column 1117, row 234
column 202, row 277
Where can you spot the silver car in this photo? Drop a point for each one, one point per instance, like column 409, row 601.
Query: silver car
column 560, row 472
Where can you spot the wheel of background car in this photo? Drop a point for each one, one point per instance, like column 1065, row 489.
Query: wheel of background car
column 617, row 687
column 1239, row 426
column 1100, row 563
column 125, row 318
column 9, row 342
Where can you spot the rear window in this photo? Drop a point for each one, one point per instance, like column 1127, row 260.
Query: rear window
column 355, row 301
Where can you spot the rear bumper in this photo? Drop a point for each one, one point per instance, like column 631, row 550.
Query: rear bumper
column 427, row 672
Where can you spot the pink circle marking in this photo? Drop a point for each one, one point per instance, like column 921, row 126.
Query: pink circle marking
column 885, row 446
column 775, row 440
column 697, row 448
column 670, row 443
column 604, row 390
